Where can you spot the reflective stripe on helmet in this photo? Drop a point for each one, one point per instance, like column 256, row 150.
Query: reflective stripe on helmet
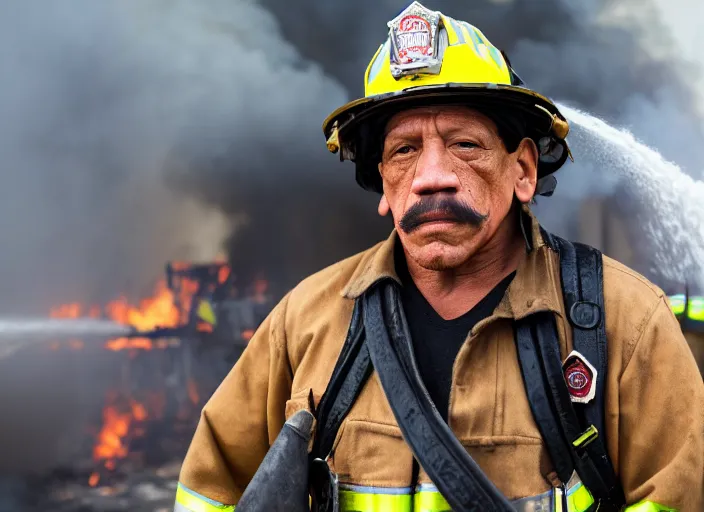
column 454, row 32
column 378, row 61
column 190, row 501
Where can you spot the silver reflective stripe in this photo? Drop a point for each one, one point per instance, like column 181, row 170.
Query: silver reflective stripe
column 549, row 501
column 181, row 508
column 378, row 62
column 458, row 30
column 365, row 489
column 541, row 503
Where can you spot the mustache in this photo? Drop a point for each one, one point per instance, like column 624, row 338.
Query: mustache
column 453, row 209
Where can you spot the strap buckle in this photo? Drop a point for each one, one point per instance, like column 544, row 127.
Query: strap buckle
column 584, row 439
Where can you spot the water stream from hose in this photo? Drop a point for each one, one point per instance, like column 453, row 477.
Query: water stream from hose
column 18, row 333
column 669, row 203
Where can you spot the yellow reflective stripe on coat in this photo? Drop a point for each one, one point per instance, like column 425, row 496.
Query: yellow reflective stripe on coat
column 579, row 498
column 355, row 498
column 648, row 506
column 190, row 501
column 695, row 306
column 428, row 499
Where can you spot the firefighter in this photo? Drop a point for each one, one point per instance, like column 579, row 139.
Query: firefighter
column 562, row 376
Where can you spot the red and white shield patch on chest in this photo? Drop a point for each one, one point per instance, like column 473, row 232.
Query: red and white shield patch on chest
column 580, row 377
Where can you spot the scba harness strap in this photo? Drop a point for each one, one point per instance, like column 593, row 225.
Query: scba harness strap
column 573, row 433
column 581, row 273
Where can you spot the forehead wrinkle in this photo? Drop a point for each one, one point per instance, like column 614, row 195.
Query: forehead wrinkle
column 459, row 116
column 405, row 123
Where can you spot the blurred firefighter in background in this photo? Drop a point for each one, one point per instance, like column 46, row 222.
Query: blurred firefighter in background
column 472, row 361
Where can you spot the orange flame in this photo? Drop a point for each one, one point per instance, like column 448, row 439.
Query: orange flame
column 151, row 313
column 126, row 343
column 93, row 479
column 154, row 312
column 117, row 422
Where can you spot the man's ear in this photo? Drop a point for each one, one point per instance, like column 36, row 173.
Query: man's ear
column 384, row 207
column 527, row 167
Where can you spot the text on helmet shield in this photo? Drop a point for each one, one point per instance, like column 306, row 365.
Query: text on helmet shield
column 413, row 36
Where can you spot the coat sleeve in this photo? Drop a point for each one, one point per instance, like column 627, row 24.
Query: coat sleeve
column 661, row 423
column 238, row 423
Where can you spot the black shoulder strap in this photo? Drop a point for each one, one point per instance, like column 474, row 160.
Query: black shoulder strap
column 581, row 270
column 538, row 349
column 458, row 478
column 351, row 372
column 582, row 287
column 542, row 346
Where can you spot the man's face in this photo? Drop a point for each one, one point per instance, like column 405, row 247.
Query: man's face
column 449, row 182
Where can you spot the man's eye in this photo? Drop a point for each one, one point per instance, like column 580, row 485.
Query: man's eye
column 403, row 150
column 465, row 144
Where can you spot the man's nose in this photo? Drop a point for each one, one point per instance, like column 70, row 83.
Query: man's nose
column 434, row 171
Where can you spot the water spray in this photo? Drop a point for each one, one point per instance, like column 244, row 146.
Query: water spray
column 19, row 333
column 669, row 201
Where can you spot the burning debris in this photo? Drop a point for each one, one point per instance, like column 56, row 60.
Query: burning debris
column 192, row 299
column 170, row 351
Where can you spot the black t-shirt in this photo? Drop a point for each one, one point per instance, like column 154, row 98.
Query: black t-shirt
column 437, row 341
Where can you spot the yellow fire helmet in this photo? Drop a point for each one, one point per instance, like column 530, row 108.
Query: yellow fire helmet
column 432, row 59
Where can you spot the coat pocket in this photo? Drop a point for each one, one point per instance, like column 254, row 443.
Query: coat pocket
column 372, row 454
